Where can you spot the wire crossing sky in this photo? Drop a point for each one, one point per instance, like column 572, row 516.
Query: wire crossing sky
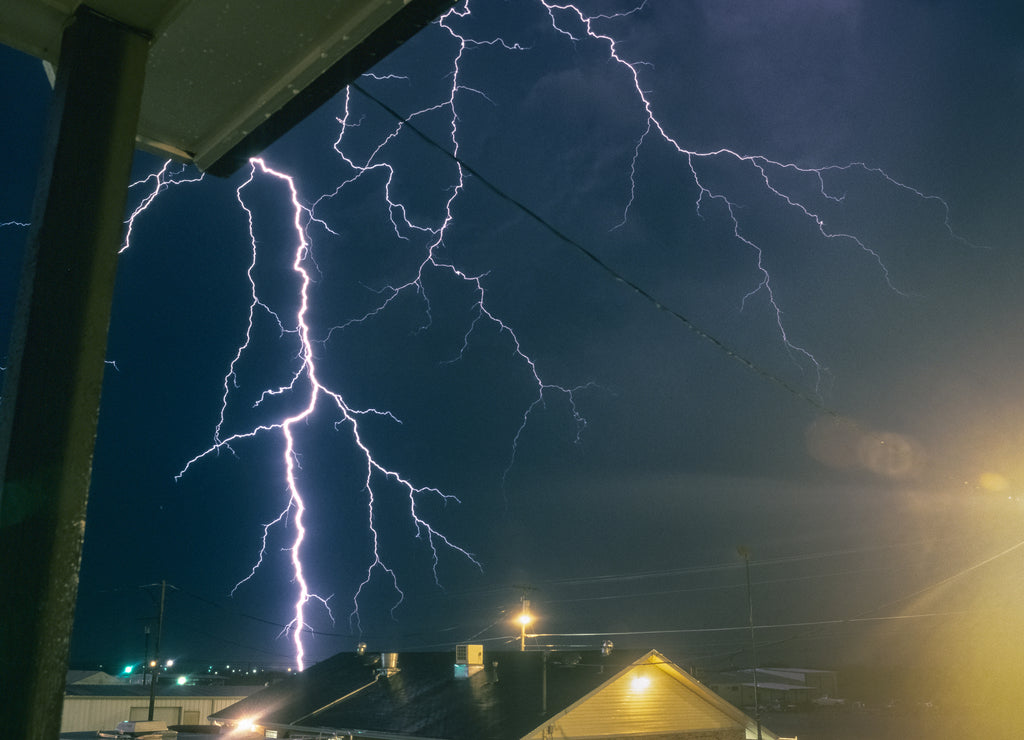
column 577, row 27
column 392, row 363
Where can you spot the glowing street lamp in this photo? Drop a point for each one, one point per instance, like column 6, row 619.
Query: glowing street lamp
column 524, row 619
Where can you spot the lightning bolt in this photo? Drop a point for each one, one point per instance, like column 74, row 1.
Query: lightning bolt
column 406, row 228
column 571, row 21
column 370, row 156
column 305, row 384
column 169, row 176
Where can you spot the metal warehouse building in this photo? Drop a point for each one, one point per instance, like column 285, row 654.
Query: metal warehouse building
column 102, row 706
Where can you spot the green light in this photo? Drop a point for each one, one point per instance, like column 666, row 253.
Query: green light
column 182, row 680
column 129, row 668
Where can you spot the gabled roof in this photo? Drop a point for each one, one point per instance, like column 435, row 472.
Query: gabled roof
column 163, row 690
column 91, row 677
column 769, row 678
column 503, row 701
column 650, row 697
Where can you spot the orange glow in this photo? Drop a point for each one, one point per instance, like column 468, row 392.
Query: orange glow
column 994, row 482
column 246, row 725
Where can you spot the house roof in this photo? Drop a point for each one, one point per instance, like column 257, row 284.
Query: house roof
column 162, row 690
column 778, row 686
column 503, row 701
column 91, row 677
column 783, row 679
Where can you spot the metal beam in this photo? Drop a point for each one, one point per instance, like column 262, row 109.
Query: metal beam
column 55, row 364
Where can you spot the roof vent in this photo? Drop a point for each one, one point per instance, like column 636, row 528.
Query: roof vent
column 606, row 648
column 388, row 664
column 361, row 648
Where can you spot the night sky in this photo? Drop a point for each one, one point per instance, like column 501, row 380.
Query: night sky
column 848, row 407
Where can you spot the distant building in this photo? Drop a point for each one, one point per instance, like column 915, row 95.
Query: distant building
column 470, row 695
column 777, row 688
column 92, row 678
column 99, row 705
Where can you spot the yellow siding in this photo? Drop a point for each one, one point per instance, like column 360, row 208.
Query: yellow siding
column 658, row 704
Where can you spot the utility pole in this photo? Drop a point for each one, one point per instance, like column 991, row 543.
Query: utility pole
column 155, row 664
column 544, row 684
column 524, row 617
column 145, row 662
column 745, row 554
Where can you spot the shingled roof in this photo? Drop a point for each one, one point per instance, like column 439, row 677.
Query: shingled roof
column 512, row 695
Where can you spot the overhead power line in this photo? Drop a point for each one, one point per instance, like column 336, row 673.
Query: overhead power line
column 600, row 263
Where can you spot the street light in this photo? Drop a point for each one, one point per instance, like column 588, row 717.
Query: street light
column 524, row 619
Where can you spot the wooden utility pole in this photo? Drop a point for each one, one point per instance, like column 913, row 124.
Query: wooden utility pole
column 156, row 657
column 745, row 554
